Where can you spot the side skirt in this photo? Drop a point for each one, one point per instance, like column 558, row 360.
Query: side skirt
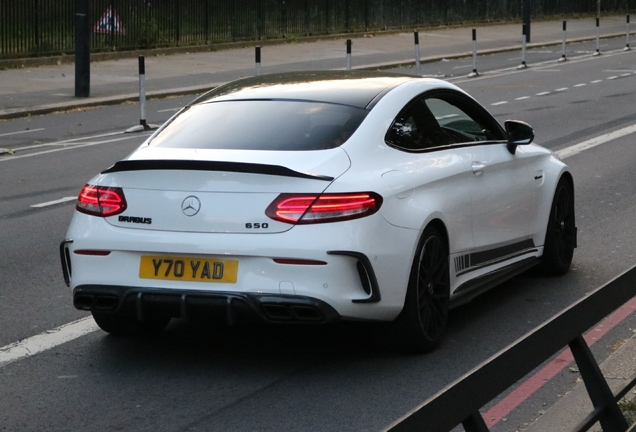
column 471, row 289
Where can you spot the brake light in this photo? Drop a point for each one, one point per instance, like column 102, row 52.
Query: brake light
column 321, row 208
column 101, row 201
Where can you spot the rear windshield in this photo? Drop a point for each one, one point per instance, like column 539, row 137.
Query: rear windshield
column 262, row 125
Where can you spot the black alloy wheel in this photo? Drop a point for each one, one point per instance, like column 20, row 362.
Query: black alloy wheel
column 423, row 319
column 560, row 238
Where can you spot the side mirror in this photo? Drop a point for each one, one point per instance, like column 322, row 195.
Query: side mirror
column 519, row 133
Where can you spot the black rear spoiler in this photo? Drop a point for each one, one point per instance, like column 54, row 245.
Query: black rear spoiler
column 190, row 165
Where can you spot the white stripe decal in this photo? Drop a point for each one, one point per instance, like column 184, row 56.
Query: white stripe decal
column 586, row 145
column 47, row 340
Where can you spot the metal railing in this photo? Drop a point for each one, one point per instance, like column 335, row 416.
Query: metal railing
column 45, row 27
column 460, row 402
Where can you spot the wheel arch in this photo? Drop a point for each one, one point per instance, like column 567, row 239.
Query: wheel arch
column 567, row 175
column 441, row 227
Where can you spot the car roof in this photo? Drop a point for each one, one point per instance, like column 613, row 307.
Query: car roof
column 356, row 88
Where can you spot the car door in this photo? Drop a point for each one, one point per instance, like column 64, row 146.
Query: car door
column 427, row 177
column 502, row 186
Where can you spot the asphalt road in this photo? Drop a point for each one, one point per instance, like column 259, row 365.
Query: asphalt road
column 300, row 378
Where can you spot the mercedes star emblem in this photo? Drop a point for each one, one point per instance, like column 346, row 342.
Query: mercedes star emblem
column 191, row 206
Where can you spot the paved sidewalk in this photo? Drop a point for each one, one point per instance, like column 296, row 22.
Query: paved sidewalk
column 38, row 90
column 573, row 407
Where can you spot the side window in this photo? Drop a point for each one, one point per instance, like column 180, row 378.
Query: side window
column 404, row 133
column 461, row 121
column 416, row 128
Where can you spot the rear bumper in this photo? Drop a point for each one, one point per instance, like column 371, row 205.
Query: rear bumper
column 226, row 307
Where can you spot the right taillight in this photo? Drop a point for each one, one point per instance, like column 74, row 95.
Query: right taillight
column 322, row 208
column 101, row 201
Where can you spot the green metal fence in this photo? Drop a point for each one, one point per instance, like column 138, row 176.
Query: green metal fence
column 46, row 27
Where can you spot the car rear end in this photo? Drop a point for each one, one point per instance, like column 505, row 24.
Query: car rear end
column 244, row 232
column 226, row 245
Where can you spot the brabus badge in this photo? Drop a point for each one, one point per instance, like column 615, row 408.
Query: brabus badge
column 191, row 206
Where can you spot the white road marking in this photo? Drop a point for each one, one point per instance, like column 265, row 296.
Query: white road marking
column 596, row 81
column 537, row 67
column 580, row 85
column 10, row 158
column 47, row 340
column 21, row 132
column 446, row 116
column 523, row 97
column 591, row 143
column 168, row 110
column 72, row 140
column 612, row 77
column 626, row 74
column 50, row 203
column 542, row 94
column 561, row 89
column 499, row 103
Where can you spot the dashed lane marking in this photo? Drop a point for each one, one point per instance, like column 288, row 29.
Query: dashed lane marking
column 562, row 89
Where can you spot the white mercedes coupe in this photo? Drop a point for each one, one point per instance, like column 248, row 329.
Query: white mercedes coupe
column 315, row 197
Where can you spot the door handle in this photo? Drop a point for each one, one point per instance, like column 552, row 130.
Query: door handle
column 478, row 167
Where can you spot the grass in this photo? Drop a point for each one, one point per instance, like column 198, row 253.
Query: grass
column 628, row 407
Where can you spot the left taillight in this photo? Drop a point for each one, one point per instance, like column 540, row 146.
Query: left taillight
column 101, row 201
column 322, row 208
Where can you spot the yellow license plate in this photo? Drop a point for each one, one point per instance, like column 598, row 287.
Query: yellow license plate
column 192, row 269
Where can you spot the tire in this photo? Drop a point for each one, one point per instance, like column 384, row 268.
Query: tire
column 421, row 324
column 123, row 325
column 560, row 237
